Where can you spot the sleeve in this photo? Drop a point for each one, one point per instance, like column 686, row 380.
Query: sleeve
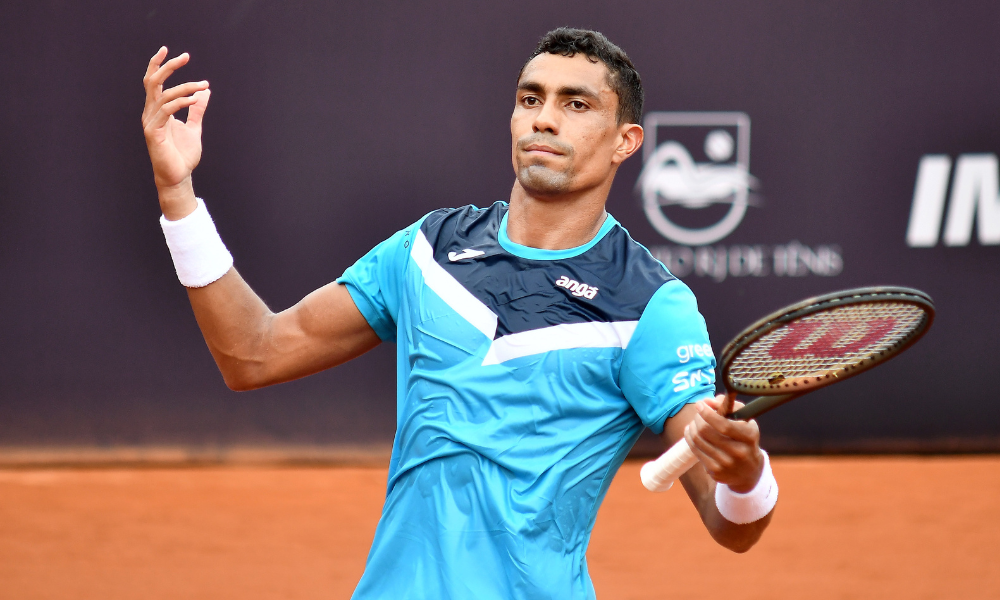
column 375, row 281
column 668, row 361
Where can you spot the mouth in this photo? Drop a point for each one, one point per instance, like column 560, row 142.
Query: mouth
column 542, row 149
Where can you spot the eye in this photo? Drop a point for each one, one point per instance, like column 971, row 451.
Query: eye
column 578, row 105
column 531, row 101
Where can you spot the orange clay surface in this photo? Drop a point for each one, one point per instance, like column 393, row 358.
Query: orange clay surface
column 908, row 528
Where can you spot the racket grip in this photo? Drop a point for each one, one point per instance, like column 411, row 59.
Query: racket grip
column 658, row 475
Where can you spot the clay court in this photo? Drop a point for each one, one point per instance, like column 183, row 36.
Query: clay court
column 888, row 527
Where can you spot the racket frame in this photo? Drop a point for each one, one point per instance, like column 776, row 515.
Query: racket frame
column 772, row 397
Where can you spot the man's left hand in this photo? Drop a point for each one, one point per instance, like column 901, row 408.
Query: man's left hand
column 729, row 450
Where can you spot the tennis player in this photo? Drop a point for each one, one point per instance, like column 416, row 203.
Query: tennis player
column 535, row 341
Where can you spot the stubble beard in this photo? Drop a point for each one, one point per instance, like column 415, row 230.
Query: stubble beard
column 540, row 180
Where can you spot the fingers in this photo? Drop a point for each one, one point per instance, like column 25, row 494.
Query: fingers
column 714, row 402
column 154, row 63
column 728, row 461
column 196, row 113
column 155, row 113
column 746, row 432
column 712, row 442
column 153, row 81
column 156, row 75
column 727, row 449
column 184, row 89
column 160, row 117
column 709, row 460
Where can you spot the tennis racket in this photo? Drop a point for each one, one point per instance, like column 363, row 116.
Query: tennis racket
column 804, row 347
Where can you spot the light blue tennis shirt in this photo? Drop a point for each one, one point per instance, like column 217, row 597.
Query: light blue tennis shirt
column 524, row 377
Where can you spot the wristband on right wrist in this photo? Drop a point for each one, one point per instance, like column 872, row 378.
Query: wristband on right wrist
column 199, row 255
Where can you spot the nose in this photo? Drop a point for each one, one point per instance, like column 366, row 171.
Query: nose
column 547, row 119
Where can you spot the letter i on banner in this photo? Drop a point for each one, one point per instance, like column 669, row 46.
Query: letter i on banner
column 928, row 201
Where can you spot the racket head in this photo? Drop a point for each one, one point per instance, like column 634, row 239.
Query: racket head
column 826, row 339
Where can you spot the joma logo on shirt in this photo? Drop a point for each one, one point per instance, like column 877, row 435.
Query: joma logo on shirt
column 578, row 289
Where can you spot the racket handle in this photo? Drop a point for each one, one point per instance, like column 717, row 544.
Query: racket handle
column 658, row 475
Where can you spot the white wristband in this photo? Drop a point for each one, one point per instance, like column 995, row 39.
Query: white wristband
column 199, row 255
column 753, row 505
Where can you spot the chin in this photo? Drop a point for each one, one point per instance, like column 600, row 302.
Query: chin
column 542, row 181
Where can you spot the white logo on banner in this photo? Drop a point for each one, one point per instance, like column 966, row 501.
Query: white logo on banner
column 678, row 190
column 975, row 196
column 670, row 176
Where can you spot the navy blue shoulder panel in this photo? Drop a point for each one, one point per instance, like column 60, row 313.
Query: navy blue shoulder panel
column 612, row 281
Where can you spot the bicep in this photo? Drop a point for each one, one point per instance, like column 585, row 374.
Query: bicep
column 344, row 319
column 322, row 330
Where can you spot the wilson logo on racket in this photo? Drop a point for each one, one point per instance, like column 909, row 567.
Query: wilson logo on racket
column 580, row 290
column 828, row 345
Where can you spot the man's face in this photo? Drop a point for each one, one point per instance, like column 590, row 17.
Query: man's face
column 564, row 130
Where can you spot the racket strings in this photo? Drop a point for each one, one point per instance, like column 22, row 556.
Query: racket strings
column 823, row 343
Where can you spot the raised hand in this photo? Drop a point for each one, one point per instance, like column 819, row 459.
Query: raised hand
column 174, row 145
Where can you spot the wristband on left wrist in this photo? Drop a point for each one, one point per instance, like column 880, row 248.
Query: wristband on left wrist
column 753, row 505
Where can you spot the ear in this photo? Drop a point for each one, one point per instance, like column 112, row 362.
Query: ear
column 630, row 136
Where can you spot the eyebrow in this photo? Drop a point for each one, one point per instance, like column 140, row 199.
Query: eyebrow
column 534, row 86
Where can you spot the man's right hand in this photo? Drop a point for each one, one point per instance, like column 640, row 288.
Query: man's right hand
column 174, row 146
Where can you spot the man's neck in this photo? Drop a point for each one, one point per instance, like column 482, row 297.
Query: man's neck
column 555, row 223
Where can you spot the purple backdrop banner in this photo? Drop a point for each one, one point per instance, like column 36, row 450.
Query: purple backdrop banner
column 792, row 149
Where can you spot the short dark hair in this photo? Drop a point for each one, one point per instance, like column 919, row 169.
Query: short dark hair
column 622, row 76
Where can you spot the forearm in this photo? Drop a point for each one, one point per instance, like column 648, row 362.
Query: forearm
column 236, row 325
column 738, row 538
column 727, row 451
column 232, row 318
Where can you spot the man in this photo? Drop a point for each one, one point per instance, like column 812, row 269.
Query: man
column 535, row 341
